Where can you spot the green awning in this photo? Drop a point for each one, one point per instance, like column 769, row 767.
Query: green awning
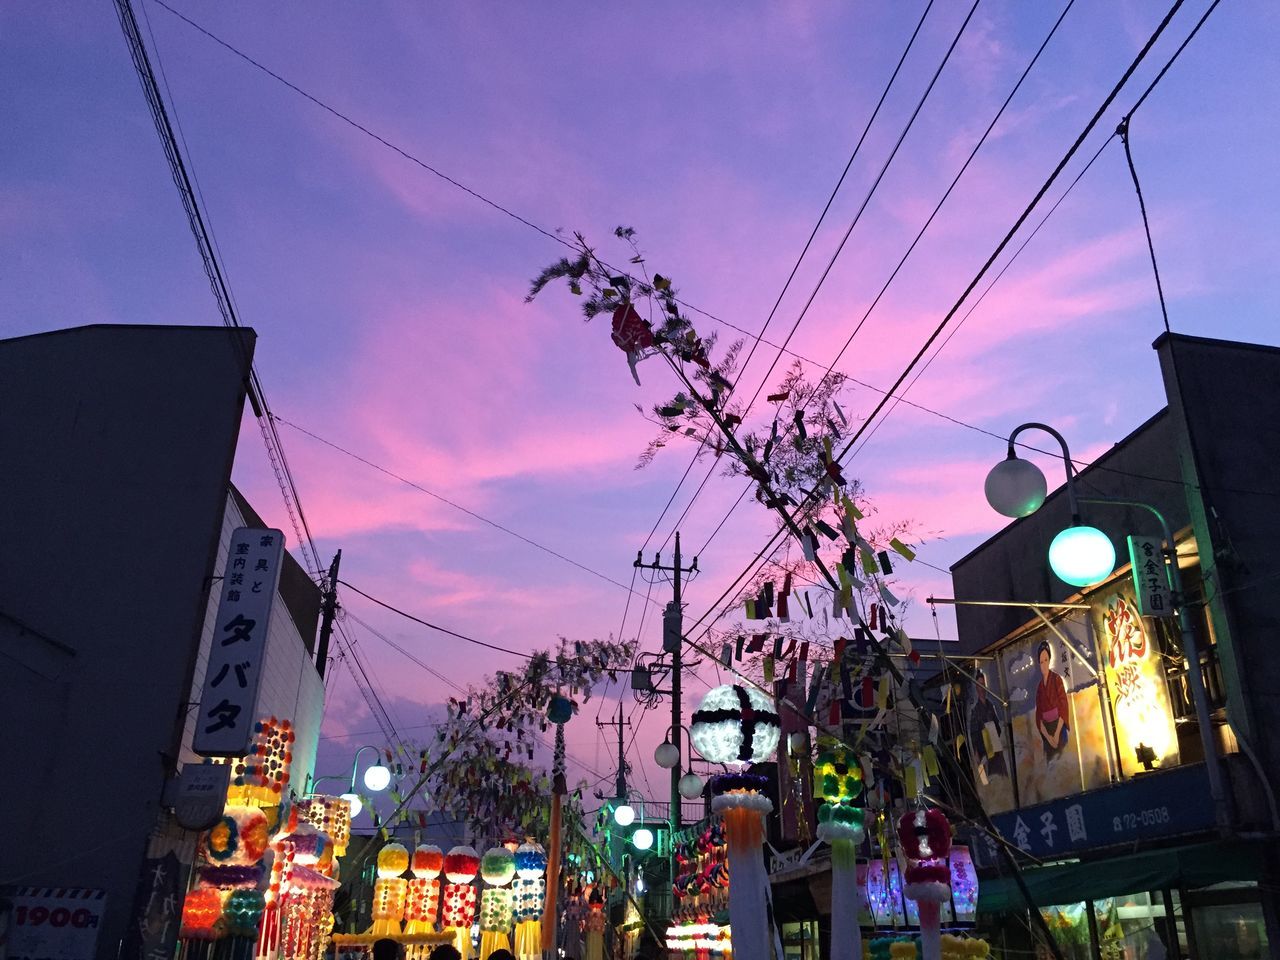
column 1199, row 865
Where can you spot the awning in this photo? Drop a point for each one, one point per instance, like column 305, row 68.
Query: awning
column 1199, row 865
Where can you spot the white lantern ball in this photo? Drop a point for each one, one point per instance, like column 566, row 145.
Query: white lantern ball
column 735, row 724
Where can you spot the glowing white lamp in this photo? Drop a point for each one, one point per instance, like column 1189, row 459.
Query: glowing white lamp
column 667, row 755
column 690, row 786
column 642, row 838
column 1082, row 555
column 356, row 804
column 624, row 814
column 377, row 778
column 1015, row 487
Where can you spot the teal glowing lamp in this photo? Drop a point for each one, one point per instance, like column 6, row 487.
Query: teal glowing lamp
column 1082, row 555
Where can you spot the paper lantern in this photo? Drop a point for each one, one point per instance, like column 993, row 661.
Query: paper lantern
column 560, row 709
column 331, row 816
column 530, row 860
column 231, row 877
column 310, row 846
column 201, row 915
column 428, row 861
column 260, row 776
column 239, row 838
column 837, row 774
column 243, row 912
column 925, row 835
column 460, row 864
column 497, row 866
column 421, row 905
column 389, row 895
column 735, row 724
column 393, row 860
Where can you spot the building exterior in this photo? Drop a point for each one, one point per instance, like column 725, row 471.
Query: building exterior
column 118, row 445
column 1082, row 735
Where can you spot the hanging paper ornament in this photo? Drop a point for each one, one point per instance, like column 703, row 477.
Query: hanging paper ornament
column 925, row 835
column 735, row 724
column 202, row 915
column 422, row 898
column 260, row 776
column 594, row 927
column 331, row 816
column 530, row 893
column 239, row 838
column 837, row 779
column 497, row 868
column 560, row 709
column 458, row 911
column 389, row 890
column 744, row 806
column 243, row 911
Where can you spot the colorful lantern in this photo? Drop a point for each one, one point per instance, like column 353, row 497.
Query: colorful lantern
column 744, row 807
column 260, row 776
column 240, row 838
column 925, row 835
column 497, row 868
column 594, row 927
column 964, row 886
column 389, row 890
column 202, row 915
column 331, row 816
column 459, row 899
column 422, row 900
column 530, row 892
column 837, row 778
column 243, row 911
column 735, row 724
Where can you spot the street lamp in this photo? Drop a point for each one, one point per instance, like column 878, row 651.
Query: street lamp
column 642, row 838
column 1083, row 555
column 1080, row 555
column 624, row 814
column 376, row 779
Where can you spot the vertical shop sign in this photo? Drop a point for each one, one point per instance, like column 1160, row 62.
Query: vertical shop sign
column 1150, row 581
column 228, row 705
column 153, row 932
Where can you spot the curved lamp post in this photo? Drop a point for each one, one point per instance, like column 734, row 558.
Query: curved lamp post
column 376, row 779
column 1082, row 555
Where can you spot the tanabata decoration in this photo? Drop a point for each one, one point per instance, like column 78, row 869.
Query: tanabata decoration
column 964, row 887
column 738, row 725
column 331, row 816
column 390, row 890
column 422, row 899
column 530, row 890
column 202, row 915
column 925, row 835
column 961, row 948
column 243, row 912
column 594, row 927
column 240, row 838
column 260, row 776
column 837, row 779
column 559, row 711
column 497, row 868
column 459, row 899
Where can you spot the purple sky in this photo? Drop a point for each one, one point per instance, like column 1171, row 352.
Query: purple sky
column 389, row 303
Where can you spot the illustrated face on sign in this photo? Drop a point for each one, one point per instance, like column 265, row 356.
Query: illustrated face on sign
column 1046, row 661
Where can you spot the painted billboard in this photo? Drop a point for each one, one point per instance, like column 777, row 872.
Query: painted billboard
column 1133, row 662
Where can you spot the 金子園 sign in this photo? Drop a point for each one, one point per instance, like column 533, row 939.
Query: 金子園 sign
column 228, row 705
column 1150, row 581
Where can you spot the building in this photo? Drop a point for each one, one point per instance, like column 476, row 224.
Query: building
column 118, row 443
column 1083, row 737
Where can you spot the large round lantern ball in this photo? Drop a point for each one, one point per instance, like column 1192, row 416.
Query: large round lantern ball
column 560, row 710
column 925, row 834
column 837, row 774
column 461, row 864
column 531, row 861
column 735, row 724
column 393, row 860
column 428, row 861
column 497, row 867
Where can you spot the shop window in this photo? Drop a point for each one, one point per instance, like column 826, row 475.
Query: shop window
column 1069, row 925
column 1135, row 927
column 1230, row 931
column 800, row 940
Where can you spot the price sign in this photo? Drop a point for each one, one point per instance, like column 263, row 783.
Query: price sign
column 55, row 923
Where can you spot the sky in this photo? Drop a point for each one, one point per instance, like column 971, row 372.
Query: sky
column 389, row 302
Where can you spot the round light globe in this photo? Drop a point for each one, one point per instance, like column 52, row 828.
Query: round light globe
column 690, row 786
column 642, row 838
column 377, row 778
column 667, row 755
column 624, row 815
column 1015, row 487
column 355, row 802
column 796, row 742
column 1082, row 556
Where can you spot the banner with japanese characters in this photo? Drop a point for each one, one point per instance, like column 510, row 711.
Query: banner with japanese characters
column 229, row 702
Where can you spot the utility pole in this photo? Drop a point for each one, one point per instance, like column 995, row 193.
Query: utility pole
column 328, row 609
column 672, row 643
column 622, row 759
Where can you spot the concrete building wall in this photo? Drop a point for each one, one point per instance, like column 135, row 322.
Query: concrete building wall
column 1225, row 396
column 116, row 445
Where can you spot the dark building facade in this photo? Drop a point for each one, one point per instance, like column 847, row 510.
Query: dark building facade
column 1082, row 732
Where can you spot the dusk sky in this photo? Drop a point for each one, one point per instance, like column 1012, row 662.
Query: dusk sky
column 389, row 307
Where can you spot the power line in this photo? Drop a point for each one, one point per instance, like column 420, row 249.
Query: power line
column 1000, row 247
column 445, row 500
column 434, row 626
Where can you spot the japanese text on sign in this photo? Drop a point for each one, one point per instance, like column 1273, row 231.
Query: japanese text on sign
column 1150, row 581
column 228, row 705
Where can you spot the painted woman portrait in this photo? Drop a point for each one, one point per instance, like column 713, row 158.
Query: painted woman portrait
column 1051, row 705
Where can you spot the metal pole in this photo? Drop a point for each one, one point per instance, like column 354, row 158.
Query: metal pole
column 674, row 812
column 622, row 760
column 1191, row 651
